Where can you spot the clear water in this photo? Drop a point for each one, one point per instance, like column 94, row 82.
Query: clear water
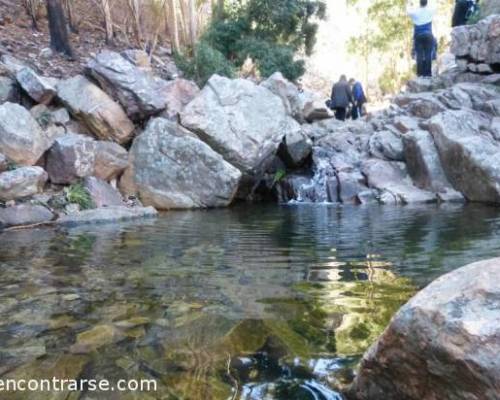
column 253, row 302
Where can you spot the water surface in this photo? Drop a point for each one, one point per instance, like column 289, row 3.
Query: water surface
column 253, row 302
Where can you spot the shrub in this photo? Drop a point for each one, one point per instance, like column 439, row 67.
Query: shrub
column 205, row 62
column 77, row 194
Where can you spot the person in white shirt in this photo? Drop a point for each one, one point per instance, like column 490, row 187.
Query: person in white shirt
column 423, row 38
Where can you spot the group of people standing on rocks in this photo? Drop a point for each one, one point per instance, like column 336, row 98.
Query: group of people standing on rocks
column 424, row 42
column 348, row 99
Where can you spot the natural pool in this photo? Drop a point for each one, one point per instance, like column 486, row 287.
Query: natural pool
column 253, row 302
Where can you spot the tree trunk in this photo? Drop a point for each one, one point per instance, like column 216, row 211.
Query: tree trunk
column 108, row 20
column 192, row 22
column 173, row 25
column 59, row 38
column 135, row 10
column 71, row 18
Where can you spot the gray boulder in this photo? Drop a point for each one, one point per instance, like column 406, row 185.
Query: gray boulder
column 172, row 169
column 405, row 124
column 21, row 182
column 243, row 122
column 139, row 91
column 102, row 193
column 21, row 138
column 351, row 184
column 421, row 105
column 39, row 88
column 424, row 165
column 386, row 145
column 469, row 154
column 443, row 344
column 3, row 163
column 178, row 94
column 287, row 92
column 24, row 214
column 70, row 158
column 8, row 90
column 95, row 109
column 111, row 159
column 394, row 184
column 106, row 215
column 296, row 146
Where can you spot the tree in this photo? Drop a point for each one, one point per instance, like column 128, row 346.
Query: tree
column 59, row 38
column 270, row 32
column 33, row 9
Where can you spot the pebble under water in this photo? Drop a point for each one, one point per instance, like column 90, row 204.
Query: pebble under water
column 252, row 302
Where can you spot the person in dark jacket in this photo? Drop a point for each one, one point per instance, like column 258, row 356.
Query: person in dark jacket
column 359, row 98
column 423, row 38
column 341, row 98
column 464, row 9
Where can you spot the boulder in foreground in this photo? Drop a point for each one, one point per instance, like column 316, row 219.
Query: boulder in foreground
column 24, row 214
column 21, row 182
column 443, row 344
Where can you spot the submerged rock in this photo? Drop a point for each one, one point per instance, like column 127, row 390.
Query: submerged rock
column 443, row 344
column 171, row 168
column 95, row 338
column 21, row 182
column 95, row 109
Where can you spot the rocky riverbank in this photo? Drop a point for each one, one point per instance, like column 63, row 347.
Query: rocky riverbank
column 122, row 137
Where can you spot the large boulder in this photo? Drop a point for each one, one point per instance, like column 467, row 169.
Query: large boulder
column 95, row 109
column 172, row 169
column 111, row 159
column 102, row 193
column 443, row 344
column 8, row 90
column 3, row 163
column 478, row 44
column 178, row 94
column 243, row 122
column 287, row 92
column 393, row 182
column 24, row 214
column 39, row 88
column 70, row 158
column 424, row 165
column 21, row 182
column 21, row 138
column 387, row 145
column 296, row 147
column 139, row 91
column 469, row 154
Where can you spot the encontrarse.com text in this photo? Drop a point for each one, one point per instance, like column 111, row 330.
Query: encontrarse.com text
column 75, row 385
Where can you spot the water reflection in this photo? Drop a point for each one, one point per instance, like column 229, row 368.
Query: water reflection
column 249, row 303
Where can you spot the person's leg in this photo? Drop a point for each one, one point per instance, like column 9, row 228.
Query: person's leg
column 428, row 45
column 419, row 50
column 343, row 113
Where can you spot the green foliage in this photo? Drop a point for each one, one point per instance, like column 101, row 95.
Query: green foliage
column 279, row 175
column 205, row 62
column 270, row 32
column 77, row 194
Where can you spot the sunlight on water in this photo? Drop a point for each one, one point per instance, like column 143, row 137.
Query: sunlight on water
column 245, row 303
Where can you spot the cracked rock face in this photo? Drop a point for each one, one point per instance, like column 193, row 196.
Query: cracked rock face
column 240, row 120
column 171, row 168
column 443, row 344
